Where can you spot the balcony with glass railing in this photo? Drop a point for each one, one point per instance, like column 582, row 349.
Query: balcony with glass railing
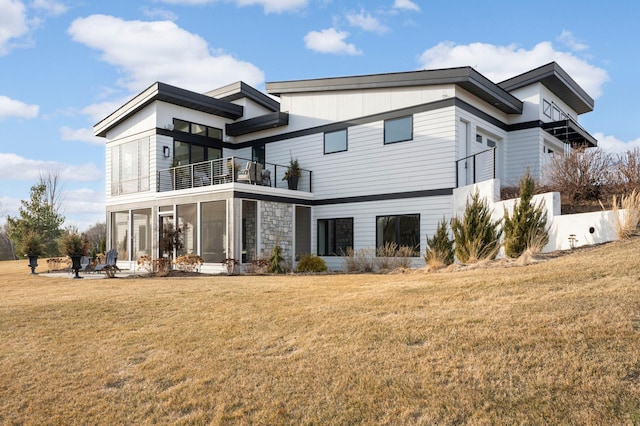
column 230, row 170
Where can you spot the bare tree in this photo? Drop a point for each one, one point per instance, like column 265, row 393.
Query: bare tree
column 581, row 174
column 51, row 178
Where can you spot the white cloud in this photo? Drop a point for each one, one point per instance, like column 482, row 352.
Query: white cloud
column 81, row 135
column 162, row 14
column 365, row 21
column 145, row 52
column 406, row 5
column 270, row 6
column 330, row 41
column 568, row 39
column 13, row 23
column 612, row 144
column 499, row 63
column 13, row 108
column 51, row 7
column 15, row 167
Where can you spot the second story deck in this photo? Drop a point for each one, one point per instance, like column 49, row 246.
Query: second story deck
column 230, row 170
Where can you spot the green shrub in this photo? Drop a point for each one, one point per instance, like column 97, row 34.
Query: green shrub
column 526, row 227
column 439, row 250
column 32, row 244
column 275, row 261
column 476, row 236
column 311, row 263
column 73, row 245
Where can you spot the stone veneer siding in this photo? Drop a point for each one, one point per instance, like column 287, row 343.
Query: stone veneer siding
column 276, row 224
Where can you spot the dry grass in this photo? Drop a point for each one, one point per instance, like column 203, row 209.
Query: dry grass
column 627, row 222
column 550, row 343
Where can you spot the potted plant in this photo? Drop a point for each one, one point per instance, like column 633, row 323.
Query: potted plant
column 74, row 247
column 32, row 248
column 292, row 174
column 230, row 263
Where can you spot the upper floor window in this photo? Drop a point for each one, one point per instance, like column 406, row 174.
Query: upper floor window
column 258, row 154
column 197, row 129
column 188, row 153
column 335, row 141
column 546, row 108
column 398, row 129
column 130, row 167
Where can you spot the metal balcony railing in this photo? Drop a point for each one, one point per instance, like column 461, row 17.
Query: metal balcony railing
column 228, row 170
column 476, row 167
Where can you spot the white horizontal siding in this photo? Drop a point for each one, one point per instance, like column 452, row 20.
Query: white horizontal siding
column 522, row 150
column 371, row 167
column 430, row 209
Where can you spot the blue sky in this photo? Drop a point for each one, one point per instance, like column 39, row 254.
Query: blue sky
column 66, row 64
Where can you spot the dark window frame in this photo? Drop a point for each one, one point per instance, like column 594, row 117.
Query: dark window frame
column 333, row 251
column 346, row 141
column 206, row 131
column 391, row 120
column 397, row 232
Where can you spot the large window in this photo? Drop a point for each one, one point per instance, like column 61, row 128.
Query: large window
column 335, row 236
column 130, row 167
column 402, row 230
column 398, row 129
column 335, row 141
column 188, row 153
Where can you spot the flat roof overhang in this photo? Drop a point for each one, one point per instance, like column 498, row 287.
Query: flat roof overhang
column 466, row 77
column 558, row 81
column 172, row 95
column 570, row 132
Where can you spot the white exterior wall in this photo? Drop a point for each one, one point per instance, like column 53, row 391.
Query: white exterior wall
column 371, row 167
column 431, row 210
column 142, row 121
column 315, row 109
column 522, row 150
column 588, row 228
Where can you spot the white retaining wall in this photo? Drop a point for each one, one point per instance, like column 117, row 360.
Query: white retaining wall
column 587, row 228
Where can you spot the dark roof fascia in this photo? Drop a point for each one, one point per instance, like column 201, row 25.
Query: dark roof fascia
column 239, row 90
column 465, row 77
column 558, row 81
column 169, row 94
column 263, row 122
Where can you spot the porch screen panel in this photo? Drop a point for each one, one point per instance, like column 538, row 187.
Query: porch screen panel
column 187, row 221
column 214, row 231
column 141, row 233
column 120, row 234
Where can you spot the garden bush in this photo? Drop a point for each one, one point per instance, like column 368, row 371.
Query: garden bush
column 311, row 263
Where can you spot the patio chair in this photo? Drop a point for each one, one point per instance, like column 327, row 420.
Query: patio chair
column 248, row 174
column 84, row 264
column 110, row 264
column 266, row 177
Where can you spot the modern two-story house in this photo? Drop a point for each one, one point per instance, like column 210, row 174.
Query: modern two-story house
column 380, row 156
